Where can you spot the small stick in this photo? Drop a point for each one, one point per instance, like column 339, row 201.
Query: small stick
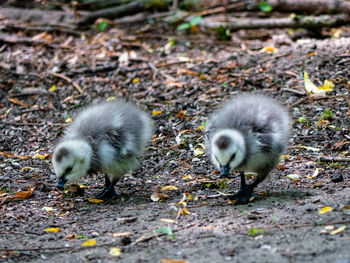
column 333, row 159
column 32, row 123
column 68, row 79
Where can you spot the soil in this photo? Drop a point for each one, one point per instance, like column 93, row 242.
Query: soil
column 192, row 78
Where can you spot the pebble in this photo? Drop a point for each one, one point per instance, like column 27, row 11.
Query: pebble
column 337, row 178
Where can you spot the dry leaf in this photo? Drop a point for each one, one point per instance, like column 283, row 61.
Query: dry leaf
column 95, row 201
column 210, row 227
column 338, row 230
column 311, row 54
column 187, row 177
column 91, row 242
column 173, row 83
column 199, row 149
column 312, row 88
column 315, row 174
column 293, row 176
column 269, row 50
column 53, row 229
column 181, row 114
column 135, row 80
column 185, row 211
column 122, row 234
column 325, row 209
column 156, row 112
column 110, row 98
column 53, row 88
column 186, row 71
column 169, row 188
column 330, row 227
column 115, row 251
column 41, row 156
column 18, row 102
column 167, row 220
column 156, row 196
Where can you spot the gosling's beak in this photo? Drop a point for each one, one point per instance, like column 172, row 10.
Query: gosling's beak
column 60, row 183
column 224, row 170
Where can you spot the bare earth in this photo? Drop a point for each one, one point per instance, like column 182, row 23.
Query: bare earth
column 204, row 73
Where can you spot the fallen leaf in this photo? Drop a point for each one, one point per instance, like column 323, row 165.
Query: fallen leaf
column 187, row 177
column 47, row 209
column 314, row 149
column 156, row 196
column 199, row 149
column 95, row 201
column 269, row 50
column 122, row 234
column 135, row 80
column 185, row 211
column 110, row 98
column 186, row 71
column 69, row 119
column 293, row 176
column 23, row 194
column 53, row 88
column 168, row 220
column 311, row 54
column 329, row 227
column 52, row 229
column 91, row 242
column 255, row 231
column 115, row 251
column 325, row 209
column 173, row 83
column 166, row 230
column 312, row 88
column 169, row 188
column 181, row 114
column 201, row 128
column 16, row 101
column 210, row 227
column 338, row 230
column 156, row 112
column 315, row 174
column 41, row 156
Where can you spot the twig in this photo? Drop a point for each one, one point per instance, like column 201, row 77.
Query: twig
column 298, row 102
column 309, row 22
column 333, row 159
column 75, row 85
column 298, row 92
column 32, row 123
column 147, row 238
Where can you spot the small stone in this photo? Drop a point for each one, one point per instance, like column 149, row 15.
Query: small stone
column 337, row 178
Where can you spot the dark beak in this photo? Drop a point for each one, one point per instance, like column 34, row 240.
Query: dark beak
column 224, row 170
column 60, row 183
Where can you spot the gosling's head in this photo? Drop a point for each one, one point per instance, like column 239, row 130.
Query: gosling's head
column 227, row 150
column 71, row 161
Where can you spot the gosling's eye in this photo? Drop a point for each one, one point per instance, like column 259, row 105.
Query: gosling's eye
column 232, row 157
column 68, row 170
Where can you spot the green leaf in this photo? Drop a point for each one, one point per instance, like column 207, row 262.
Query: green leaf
column 223, row 33
column 101, row 26
column 327, row 115
column 195, row 20
column 302, row 119
column 183, row 26
column 166, row 230
column 265, row 7
column 255, row 231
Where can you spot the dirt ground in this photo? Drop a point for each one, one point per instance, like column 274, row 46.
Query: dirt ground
column 179, row 86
